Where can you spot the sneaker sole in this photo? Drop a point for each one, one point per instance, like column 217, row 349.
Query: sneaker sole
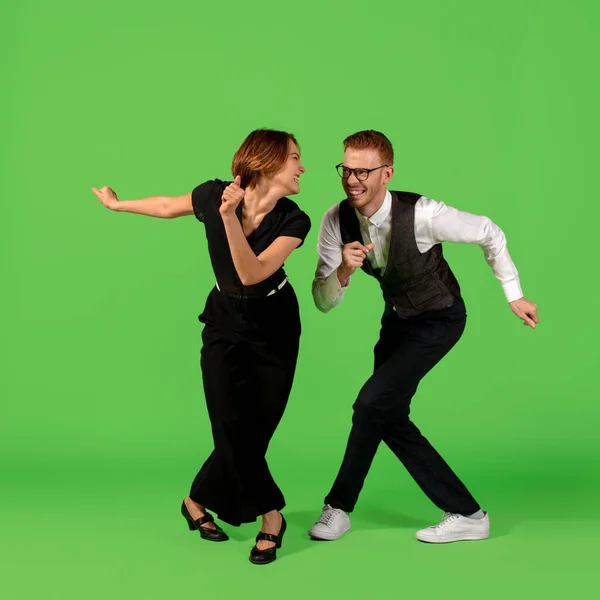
column 458, row 538
column 327, row 537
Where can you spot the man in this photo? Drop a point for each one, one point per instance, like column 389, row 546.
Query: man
column 396, row 237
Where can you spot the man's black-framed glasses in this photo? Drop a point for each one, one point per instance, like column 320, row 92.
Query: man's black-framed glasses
column 360, row 174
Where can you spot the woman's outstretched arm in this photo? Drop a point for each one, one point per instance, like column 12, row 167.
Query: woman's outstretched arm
column 162, row 207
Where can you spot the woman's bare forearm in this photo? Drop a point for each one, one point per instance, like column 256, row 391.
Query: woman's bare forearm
column 155, row 206
column 246, row 263
column 250, row 268
column 162, row 207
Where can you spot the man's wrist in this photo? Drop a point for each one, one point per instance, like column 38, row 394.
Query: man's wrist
column 343, row 276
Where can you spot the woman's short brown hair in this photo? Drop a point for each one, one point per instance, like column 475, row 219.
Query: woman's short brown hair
column 362, row 140
column 263, row 152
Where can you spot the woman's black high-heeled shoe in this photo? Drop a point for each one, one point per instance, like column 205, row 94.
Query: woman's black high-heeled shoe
column 212, row 535
column 264, row 557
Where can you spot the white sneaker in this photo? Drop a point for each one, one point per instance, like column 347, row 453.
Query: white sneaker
column 455, row 528
column 331, row 525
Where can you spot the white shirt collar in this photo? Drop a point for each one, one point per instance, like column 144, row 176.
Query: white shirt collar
column 378, row 218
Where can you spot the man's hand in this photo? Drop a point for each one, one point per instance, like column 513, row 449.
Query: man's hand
column 525, row 310
column 233, row 194
column 353, row 257
column 107, row 196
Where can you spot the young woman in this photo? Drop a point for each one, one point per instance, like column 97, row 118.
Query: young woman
column 251, row 329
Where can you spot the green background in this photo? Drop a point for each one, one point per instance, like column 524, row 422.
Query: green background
column 491, row 108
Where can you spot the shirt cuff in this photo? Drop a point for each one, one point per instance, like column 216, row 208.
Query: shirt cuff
column 328, row 292
column 332, row 288
column 512, row 290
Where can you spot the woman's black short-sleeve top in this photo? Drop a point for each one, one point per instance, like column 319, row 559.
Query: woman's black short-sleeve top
column 286, row 219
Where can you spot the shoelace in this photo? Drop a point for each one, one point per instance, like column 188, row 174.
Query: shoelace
column 448, row 518
column 329, row 514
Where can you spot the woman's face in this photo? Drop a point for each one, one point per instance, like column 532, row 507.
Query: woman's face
column 287, row 178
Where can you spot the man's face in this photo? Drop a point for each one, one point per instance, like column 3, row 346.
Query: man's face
column 363, row 192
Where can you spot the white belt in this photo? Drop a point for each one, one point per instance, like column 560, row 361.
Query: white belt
column 273, row 291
